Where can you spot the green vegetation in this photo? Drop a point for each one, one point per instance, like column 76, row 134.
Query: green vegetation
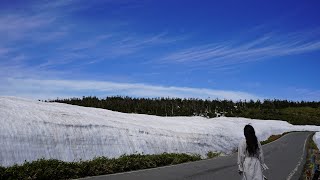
column 55, row 169
column 297, row 113
column 273, row 138
column 312, row 153
column 211, row 154
column 312, row 145
column 293, row 115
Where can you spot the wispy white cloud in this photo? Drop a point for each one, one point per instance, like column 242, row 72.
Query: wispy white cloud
column 123, row 43
column 40, row 26
column 46, row 26
column 306, row 94
column 49, row 5
column 17, row 26
column 135, row 43
column 39, row 88
column 224, row 54
column 39, row 21
column 112, row 45
column 92, row 42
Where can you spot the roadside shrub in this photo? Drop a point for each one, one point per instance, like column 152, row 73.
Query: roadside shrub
column 56, row 169
column 273, row 138
column 312, row 151
column 270, row 139
column 211, row 154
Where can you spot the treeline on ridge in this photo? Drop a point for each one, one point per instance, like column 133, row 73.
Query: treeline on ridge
column 295, row 112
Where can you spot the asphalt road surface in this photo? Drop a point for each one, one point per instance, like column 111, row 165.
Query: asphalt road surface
column 285, row 158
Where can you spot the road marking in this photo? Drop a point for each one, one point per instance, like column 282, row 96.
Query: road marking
column 299, row 163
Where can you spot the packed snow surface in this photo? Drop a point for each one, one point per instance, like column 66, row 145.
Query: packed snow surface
column 30, row 130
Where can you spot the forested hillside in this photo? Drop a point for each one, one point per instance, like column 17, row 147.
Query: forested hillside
column 294, row 112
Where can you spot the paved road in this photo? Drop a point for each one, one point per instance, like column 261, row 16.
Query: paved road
column 285, row 158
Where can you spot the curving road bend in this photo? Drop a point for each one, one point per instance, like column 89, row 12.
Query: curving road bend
column 285, row 157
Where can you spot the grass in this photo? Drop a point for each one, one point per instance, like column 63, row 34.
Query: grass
column 311, row 147
column 211, row 154
column 56, row 169
column 273, row 138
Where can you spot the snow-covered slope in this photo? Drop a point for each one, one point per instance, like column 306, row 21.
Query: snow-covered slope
column 30, row 130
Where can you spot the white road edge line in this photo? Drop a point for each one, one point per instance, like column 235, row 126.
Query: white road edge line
column 300, row 161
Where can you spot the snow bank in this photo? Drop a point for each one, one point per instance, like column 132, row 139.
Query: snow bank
column 30, row 130
column 316, row 139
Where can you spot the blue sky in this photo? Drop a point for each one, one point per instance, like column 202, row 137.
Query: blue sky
column 181, row 48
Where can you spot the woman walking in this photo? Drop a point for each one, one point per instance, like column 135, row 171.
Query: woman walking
column 250, row 156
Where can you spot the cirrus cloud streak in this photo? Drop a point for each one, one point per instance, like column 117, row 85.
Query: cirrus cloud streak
column 39, row 88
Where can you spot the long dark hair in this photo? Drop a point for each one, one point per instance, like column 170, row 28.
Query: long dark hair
column 251, row 139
